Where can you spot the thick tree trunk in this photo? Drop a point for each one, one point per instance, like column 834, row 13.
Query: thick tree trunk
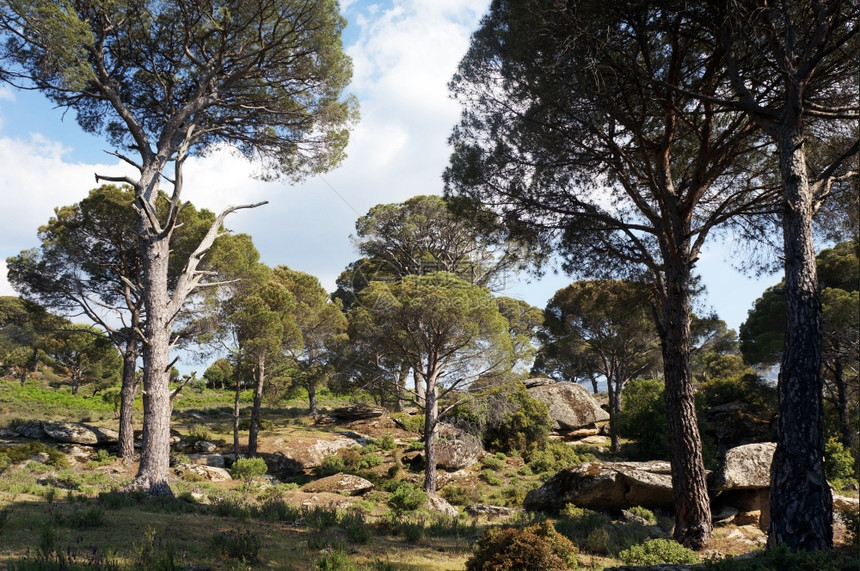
column 431, row 417
column 126, row 406
column 155, row 452
column 693, row 526
column 255, row 409
column 613, row 390
column 849, row 435
column 800, row 498
column 400, row 389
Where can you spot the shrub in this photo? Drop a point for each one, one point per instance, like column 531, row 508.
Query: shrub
column 644, row 513
column 658, row 552
column 491, row 478
column 279, row 510
column 198, row 432
column 90, row 517
column 447, row 526
column 839, row 464
column 782, row 557
column 534, row 547
column 493, row 463
column 643, row 417
column 369, row 461
column 554, row 456
column 387, row 442
column 356, row 527
column 577, row 524
column 461, row 495
column 16, row 454
column 244, row 544
column 248, row 468
column 406, row 498
column 228, row 507
column 413, row 531
column 336, row 560
column 321, row 518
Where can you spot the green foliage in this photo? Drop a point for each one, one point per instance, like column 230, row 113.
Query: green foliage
column 336, row 560
column 248, row 468
column 461, row 495
column 752, row 390
column 577, row 524
column 508, row 418
column 243, row 544
column 87, row 518
column 231, row 507
column 839, row 465
column 356, row 527
column 15, row 454
column 321, row 518
column 277, row 509
column 406, row 498
column 413, row 530
column 660, row 552
column 387, row 442
column 781, row 557
column 535, row 547
column 447, row 526
column 644, row 513
column 643, row 417
column 553, row 456
column 491, row 477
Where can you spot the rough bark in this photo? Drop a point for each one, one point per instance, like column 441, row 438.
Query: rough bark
column 800, row 498
column 431, row 418
column 693, row 526
column 236, row 397
column 312, row 399
column 126, row 407
column 255, row 409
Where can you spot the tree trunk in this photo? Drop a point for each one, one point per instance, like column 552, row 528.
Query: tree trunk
column 613, row 389
column 400, row 389
column 255, row 409
column 155, row 451
column 126, row 406
column 849, row 435
column 312, row 399
column 431, row 416
column 800, row 498
column 693, row 526
column 236, row 445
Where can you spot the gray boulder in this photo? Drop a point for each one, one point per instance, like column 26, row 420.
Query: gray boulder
column 70, row 432
column 32, row 429
column 605, row 485
column 440, row 505
column 475, row 510
column 570, row 405
column 745, row 467
column 455, row 448
column 208, row 473
column 340, row 483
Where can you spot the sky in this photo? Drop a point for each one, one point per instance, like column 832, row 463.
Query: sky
column 404, row 52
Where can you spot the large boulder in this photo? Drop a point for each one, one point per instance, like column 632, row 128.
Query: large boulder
column 605, row 485
column 440, row 505
column 570, row 405
column 70, row 432
column 340, row 483
column 31, row 429
column 202, row 472
column 455, row 448
column 302, row 453
column 358, row 412
column 744, row 467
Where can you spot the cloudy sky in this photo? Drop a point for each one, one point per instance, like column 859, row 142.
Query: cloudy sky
column 404, row 52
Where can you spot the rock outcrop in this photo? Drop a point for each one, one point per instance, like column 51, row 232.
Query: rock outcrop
column 570, row 405
column 745, row 467
column 605, row 485
column 455, row 448
column 440, row 505
column 340, row 483
column 358, row 412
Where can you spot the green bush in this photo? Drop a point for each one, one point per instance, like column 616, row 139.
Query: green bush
column 644, row 513
column 90, row 517
column 276, row 509
column 554, row 456
column 491, row 478
column 461, row 495
column 643, row 417
column 412, row 530
column 658, row 552
column 839, row 464
column 369, row 461
column 321, row 518
column 355, row 526
column 406, row 498
column 248, row 468
column 244, row 544
column 577, row 523
column 535, row 547
column 387, row 442
column 493, row 463
column 508, row 418
column 782, row 557
column 16, row 454
column 336, row 560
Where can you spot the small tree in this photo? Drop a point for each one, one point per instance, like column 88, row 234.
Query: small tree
column 449, row 331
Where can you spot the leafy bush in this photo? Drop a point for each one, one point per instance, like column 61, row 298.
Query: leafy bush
column 321, row 518
column 336, row 560
column 534, row 547
column 658, row 552
column 492, row 462
column 412, row 530
column 839, row 464
column 276, row 509
column 16, row 454
column 229, row 507
column 243, row 544
column 643, row 417
column 491, row 478
column 461, row 495
column 369, row 461
column 644, row 513
column 554, row 456
column 90, row 517
column 577, row 523
column 447, row 526
column 508, row 418
column 387, row 442
column 198, row 432
column 248, row 468
column 406, row 498
column 355, row 526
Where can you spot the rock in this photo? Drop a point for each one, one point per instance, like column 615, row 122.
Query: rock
column 358, row 412
column 40, row 457
column 6, row 433
column 339, row 484
column 214, row 460
column 440, row 505
column 455, row 448
column 209, row 473
column 844, row 504
column 570, row 405
column 744, row 468
column 308, row 452
column 538, row 382
column 607, row 485
column 205, row 447
column 475, row 510
column 71, row 432
column 724, row 516
column 78, row 452
column 32, row 429
column 106, row 435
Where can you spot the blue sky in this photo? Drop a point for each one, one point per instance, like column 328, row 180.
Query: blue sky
column 404, row 53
